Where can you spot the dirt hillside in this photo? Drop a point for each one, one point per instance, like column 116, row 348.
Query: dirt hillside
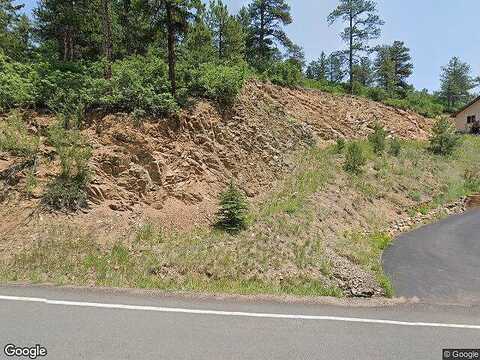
column 171, row 170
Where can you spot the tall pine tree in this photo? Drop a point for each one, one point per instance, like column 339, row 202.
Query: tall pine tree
column 265, row 30
column 456, row 83
column 363, row 25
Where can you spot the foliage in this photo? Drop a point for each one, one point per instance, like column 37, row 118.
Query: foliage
column 418, row 101
column 378, row 139
column 72, row 149
column 444, row 138
column 317, row 69
column 393, row 66
column 395, row 147
column 285, row 73
column 67, row 191
column 139, row 83
column 15, row 84
column 15, row 137
column 265, row 19
column 355, row 159
column 221, row 83
column 472, row 178
column 363, row 24
column 228, row 33
column 340, row 145
column 456, row 83
column 233, row 209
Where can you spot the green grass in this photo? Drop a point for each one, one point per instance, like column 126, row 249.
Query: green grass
column 15, row 137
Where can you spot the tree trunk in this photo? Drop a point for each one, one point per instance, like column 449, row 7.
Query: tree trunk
column 171, row 48
column 107, row 37
column 262, row 30
column 351, row 53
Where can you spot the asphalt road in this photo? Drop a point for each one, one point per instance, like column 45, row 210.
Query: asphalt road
column 82, row 324
column 439, row 262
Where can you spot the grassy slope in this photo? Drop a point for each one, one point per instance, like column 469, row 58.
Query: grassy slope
column 284, row 251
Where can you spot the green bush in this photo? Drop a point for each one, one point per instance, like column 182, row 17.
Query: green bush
column 444, row 137
column 138, row 83
column 66, row 193
column 16, row 88
column 418, row 101
column 355, row 159
column 324, row 85
column 68, row 190
column 233, row 209
column 219, row 82
column 377, row 94
column 285, row 73
column 72, row 149
column 378, row 138
column 395, row 147
column 15, row 138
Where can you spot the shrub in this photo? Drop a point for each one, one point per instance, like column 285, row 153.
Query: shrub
column 378, row 138
column 67, row 192
column 72, row 149
column 16, row 88
column 472, row 178
column 219, row 82
column 233, row 209
column 355, row 159
column 15, row 138
column 395, row 147
column 444, row 137
column 377, row 94
column 324, row 85
column 285, row 73
column 340, row 145
column 139, row 83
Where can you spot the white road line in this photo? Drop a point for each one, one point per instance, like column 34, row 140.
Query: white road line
column 235, row 313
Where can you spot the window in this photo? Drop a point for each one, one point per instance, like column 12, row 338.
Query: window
column 471, row 119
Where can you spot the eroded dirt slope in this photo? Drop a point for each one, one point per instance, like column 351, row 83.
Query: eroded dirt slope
column 170, row 171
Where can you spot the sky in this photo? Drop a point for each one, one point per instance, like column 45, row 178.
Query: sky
column 434, row 30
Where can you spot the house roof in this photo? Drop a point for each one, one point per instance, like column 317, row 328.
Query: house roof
column 466, row 106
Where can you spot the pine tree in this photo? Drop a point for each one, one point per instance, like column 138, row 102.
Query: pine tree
column 15, row 30
column 228, row 33
column 363, row 24
column 393, row 66
column 174, row 17
column 456, row 83
column 336, row 67
column 265, row 30
column 363, row 71
column 317, row 69
column 233, row 209
column 72, row 25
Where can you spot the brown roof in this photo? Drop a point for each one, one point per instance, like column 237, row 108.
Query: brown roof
column 466, row 106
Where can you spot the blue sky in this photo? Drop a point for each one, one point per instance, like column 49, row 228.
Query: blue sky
column 435, row 30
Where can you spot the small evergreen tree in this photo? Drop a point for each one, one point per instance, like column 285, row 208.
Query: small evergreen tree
column 378, row 138
column 355, row 159
column 233, row 209
column 444, row 137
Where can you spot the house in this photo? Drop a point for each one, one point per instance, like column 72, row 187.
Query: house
column 467, row 119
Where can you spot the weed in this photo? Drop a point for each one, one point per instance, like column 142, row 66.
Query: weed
column 355, row 159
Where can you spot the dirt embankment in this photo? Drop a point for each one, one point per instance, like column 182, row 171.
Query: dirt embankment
column 170, row 171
